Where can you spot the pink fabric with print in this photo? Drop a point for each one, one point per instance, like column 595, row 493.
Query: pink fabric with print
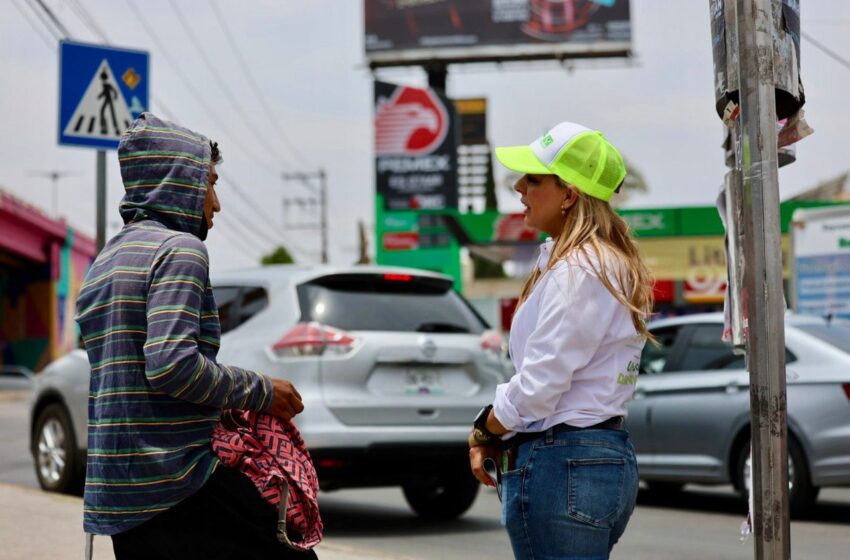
column 272, row 453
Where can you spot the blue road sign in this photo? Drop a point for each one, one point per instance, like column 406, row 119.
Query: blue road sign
column 101, row 91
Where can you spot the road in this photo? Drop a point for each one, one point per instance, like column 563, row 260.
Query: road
column 701, row 523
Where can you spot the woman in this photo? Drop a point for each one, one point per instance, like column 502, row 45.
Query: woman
column 568, row 473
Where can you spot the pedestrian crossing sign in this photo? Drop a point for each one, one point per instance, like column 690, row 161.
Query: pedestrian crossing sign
column 101, row 91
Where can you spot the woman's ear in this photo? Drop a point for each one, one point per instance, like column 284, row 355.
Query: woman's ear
column 570, row 198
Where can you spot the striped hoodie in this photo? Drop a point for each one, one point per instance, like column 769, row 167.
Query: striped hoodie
column 150, row 327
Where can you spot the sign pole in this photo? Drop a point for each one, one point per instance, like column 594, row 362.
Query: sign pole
column 101, row 199
column 323, row 208
column 763, row 279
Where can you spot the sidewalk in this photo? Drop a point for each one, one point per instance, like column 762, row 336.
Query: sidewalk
column 38, row 525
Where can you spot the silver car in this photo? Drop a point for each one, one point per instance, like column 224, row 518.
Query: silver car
column 392, row 365
column 690, row 418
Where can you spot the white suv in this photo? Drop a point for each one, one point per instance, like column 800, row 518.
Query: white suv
column 392, row 365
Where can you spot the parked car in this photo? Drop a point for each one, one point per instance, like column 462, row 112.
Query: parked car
column 690, row 417
column 392, row 365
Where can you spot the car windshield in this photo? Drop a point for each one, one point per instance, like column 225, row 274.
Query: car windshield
column 377, row 302
column 835, row 335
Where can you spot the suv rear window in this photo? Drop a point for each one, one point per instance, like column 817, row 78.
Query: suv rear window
column 388, row 302
column 835, row 335
column 237, row 304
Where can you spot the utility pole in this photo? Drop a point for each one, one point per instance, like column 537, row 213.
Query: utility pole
column 363, row 246
column 54, row 177
column 757, row 158
column 322, row 192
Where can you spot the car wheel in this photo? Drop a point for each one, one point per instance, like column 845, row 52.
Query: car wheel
column 447, row 498
column 55, row 451
column 802, row 494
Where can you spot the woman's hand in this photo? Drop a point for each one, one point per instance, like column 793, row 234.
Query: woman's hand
column 477, row 454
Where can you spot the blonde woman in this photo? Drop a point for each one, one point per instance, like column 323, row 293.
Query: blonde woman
column 565, row 463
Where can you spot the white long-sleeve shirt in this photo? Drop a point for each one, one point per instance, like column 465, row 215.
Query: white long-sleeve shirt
column 574, row 347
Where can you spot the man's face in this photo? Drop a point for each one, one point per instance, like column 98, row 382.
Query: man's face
column 211, row 204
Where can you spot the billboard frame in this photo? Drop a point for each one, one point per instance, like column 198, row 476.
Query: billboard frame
column 497, row 53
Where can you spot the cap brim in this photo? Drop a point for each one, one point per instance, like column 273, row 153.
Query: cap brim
column 522, row 160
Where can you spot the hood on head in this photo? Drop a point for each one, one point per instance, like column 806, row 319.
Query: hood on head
column 165, row 169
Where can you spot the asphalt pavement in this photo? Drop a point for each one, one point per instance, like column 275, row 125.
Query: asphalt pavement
column 700, row 523
column 37, row 525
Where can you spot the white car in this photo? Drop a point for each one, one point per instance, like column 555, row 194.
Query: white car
column 392, row 365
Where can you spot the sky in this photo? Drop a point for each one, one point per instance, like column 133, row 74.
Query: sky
column 315, row 108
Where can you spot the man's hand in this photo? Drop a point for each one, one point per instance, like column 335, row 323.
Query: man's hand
column 287, row 401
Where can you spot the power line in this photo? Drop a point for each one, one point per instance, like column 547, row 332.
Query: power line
column 246, row 199
column 826, row 50
column 222, row 84
column 53, row 18
column 44, row 20
column 244, row 241
column 268, row 221
column 34, row 26
column 199, row 98
column 88, row 20
column 93, row 25
column 258, row 92
column 171, row 116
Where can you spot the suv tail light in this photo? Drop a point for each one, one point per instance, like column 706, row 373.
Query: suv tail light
column 313, row 339
column 846, row 387
column 493, row 343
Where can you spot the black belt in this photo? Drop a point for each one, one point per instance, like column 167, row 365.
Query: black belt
column 615, row 423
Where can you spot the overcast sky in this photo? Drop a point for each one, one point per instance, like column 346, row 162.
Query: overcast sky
column 307, row 57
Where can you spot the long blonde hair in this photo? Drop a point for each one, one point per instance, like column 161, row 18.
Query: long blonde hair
column 592, row 224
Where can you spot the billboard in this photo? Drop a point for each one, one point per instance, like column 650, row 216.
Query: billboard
column 821, row 249
column 400, row 32
column 415, row 148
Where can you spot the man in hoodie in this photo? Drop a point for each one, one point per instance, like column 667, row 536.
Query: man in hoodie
column 150, row 327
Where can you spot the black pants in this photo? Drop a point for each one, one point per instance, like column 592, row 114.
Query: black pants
column 227, row 518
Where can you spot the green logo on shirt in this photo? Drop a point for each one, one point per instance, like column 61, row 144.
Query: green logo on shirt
column 624, row 379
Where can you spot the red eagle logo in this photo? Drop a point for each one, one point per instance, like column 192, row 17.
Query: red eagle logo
column 411, row 122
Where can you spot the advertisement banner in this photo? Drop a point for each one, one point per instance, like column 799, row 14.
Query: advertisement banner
column 821, row 248
column 409, row 31
column 415, row 148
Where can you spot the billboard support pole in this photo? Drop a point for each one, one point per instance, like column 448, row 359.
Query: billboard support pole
column 758, row 159
column 438, row 73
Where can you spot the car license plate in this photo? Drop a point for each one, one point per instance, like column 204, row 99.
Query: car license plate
column 423, row 382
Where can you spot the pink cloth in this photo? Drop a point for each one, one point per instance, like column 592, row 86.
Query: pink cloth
column 272, row 453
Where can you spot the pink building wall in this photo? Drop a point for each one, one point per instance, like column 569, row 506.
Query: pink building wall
column 42, row 264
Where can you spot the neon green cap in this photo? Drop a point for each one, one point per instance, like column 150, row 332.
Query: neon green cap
column 578, row 155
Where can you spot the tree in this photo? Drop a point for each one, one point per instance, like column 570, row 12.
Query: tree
column 485, row 268
column 279, row 256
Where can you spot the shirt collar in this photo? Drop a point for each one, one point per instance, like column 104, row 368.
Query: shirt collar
column 545, row 251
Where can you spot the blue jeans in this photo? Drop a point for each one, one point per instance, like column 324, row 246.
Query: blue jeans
column 570, row 495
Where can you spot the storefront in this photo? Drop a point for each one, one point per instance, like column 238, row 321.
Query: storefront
column 42, row 264
column 683, row 248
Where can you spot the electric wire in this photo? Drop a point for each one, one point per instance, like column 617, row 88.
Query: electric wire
column 245, row 198
column 199, row 98
column 826, row 50
column 38, row 30
column 233, row 225
column 252, row 82
column 237, row 106
column 45, row 21
column 88, row 20
column 59, row 25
